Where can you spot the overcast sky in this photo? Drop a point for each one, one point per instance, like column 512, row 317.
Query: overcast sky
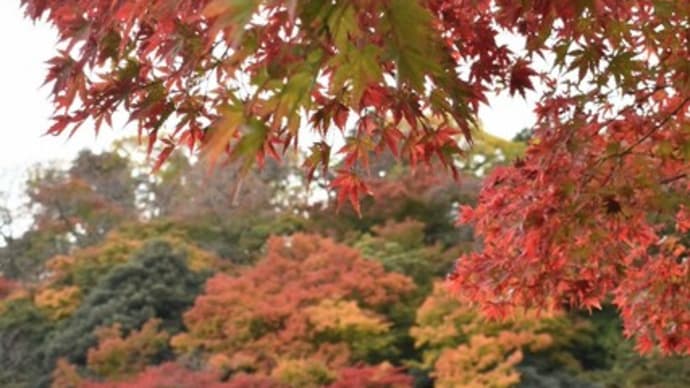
column 25, row 110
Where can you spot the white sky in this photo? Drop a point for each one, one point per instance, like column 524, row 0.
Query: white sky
column 24, row 107
column 25, row 110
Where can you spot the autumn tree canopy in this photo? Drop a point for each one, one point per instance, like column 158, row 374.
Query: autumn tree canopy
column 309, row 299
column 596, row 209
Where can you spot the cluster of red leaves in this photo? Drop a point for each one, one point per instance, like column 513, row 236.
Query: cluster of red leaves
column 373, row 377
column 234, row 76
column 596, row 208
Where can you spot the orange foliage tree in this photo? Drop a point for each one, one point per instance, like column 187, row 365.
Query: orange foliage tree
column 464, row 350
column 309, row 298
column 117, row 356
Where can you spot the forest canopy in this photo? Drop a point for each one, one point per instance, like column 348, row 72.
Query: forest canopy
column 276, row 292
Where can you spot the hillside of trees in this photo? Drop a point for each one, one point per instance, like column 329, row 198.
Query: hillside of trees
column 186, row 280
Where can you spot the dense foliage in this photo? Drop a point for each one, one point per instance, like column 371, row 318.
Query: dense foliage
column 211, row 273
column 155, row 283
column 307, row 298
column 159, row 299
column 596, row 211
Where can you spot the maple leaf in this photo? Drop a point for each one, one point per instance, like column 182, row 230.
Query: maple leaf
column 340, row 117
column 520, row 78
column 162, row 157
column 349, row 187
column 217, row 139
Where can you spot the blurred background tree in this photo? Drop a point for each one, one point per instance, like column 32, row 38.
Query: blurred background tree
column 122, row 280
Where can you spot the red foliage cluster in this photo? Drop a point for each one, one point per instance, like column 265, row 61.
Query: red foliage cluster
column 7, row 286
column 588, row 214
column 208, row 71
column 372, row 377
